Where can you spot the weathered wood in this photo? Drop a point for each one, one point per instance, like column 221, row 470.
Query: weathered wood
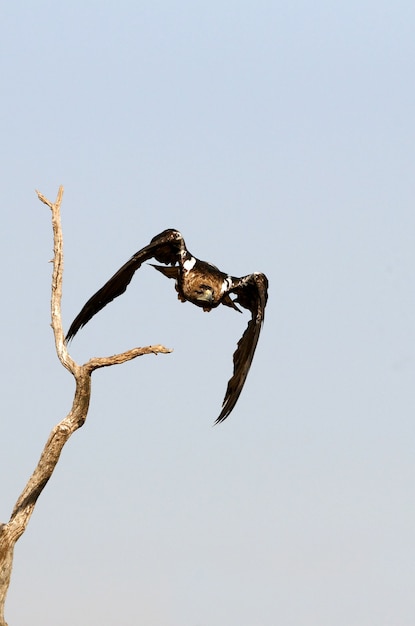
column 23, row 509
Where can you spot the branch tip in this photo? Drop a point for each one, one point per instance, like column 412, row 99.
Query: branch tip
column 50, row 204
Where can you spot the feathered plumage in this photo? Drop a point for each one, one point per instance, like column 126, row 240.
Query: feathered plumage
column 201, row 284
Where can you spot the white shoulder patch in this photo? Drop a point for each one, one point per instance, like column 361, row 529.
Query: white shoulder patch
column 189, row 264
column 227, row 284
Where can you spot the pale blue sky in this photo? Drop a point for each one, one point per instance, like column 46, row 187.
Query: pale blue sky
column 278, row 137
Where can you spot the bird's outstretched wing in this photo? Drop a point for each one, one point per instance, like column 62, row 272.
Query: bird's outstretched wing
column 164, row 247
column 252, row 294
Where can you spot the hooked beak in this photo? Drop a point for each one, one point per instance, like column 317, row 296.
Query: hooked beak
column 206, row 296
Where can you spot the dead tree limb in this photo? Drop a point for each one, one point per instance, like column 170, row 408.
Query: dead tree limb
column 23, row 509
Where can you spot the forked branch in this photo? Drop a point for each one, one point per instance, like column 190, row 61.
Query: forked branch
column 23, row 509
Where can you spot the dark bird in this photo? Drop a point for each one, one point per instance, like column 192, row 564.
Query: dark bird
column 198, row 282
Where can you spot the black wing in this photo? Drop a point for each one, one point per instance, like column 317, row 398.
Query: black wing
column 165, row 248
column 252, row 294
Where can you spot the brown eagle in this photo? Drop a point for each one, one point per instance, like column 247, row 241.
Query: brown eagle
column 198, row 282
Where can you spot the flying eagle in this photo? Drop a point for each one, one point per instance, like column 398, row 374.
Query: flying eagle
column 198, row 282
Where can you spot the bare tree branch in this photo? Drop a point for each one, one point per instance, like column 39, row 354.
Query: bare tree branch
column 23, row 509
column 105, row 361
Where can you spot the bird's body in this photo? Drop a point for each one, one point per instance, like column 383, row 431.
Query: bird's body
column 200, row 283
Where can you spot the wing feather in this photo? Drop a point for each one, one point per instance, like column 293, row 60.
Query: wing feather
column 165, row 248
column 252, row 294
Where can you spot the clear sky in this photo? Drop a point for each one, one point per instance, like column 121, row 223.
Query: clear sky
column 278, row 137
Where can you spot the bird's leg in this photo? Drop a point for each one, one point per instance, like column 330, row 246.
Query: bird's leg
column 227, row 301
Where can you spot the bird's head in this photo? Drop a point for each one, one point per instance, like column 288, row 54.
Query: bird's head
column 205, row 297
